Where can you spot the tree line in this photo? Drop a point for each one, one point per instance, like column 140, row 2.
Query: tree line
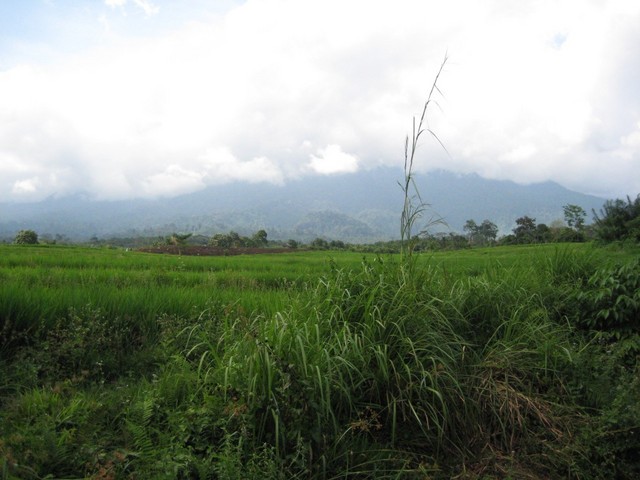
column 617, row 221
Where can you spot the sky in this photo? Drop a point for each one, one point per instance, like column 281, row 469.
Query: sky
column 155, row 98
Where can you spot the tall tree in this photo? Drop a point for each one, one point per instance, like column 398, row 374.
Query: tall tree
column 260, row 237
column 236, row 240
column 488, row 230
column 574, row 215
column 471, row 228
column 482, row 234
column 525, row 229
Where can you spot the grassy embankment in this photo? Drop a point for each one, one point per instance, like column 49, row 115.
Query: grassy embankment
column 518, row 361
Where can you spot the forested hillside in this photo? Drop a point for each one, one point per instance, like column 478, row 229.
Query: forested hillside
column 359, row 207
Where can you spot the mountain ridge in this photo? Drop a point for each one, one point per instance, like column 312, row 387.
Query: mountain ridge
column 362, row 207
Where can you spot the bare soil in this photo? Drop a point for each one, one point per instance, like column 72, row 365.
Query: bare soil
column 210, row 251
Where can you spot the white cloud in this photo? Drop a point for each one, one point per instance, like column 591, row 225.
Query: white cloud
column 147, row 6
column 275, row 89
column 631, row 142
column 174, row 180
column 332, row 159
column 104, row 21
column 26, row 186
column 221, row 166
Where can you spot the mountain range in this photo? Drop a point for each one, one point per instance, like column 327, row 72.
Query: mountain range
column 357, row 207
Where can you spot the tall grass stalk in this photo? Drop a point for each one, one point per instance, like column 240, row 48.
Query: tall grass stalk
column 413, row 206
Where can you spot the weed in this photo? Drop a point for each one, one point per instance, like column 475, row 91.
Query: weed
column 414, row 207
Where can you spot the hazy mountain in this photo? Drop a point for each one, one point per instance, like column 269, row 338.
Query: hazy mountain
column 359, row 207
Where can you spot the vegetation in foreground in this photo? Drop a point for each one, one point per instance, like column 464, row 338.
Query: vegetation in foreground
column 517, row 362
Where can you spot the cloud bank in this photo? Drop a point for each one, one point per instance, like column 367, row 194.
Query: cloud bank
column 271, row 90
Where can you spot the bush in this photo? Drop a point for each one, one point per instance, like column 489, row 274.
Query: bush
column 618, row 220
column 611, row 301
column 26, row 237
column 607, row 372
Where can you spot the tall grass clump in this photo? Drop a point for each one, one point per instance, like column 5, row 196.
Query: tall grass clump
column 379, row 373
column 369, row 367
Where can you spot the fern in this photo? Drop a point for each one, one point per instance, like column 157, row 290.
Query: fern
column 139, row 427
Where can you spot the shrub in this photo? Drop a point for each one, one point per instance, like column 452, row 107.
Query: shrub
column 607, row 371
column 618, row 220
column 26, row 237
column 611, row 301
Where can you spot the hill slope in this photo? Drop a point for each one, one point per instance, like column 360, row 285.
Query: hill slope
column 359, row 207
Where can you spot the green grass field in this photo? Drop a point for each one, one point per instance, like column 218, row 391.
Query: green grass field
column 40, row 284
column 506, row 362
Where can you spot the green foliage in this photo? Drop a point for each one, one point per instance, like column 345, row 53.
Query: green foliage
column 26, row 237
column 525, row 231
column 328, row 374
column 177, row 239
column 235, row 240
column 567, row 234
column 385, row 359
column 618, row 220
column 260, row 237
column 574, row 215
column 86, row 345
column 610, row 301
column 319, row 244
column 607, row 309
column 488, row 231
column 53, row 432
column 41, row 285
column 234, row 462
column 483, row 234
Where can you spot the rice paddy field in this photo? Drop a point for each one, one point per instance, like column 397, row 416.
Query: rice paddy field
column 505, row 362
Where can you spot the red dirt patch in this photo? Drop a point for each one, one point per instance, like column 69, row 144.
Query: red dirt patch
column 210, row 251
